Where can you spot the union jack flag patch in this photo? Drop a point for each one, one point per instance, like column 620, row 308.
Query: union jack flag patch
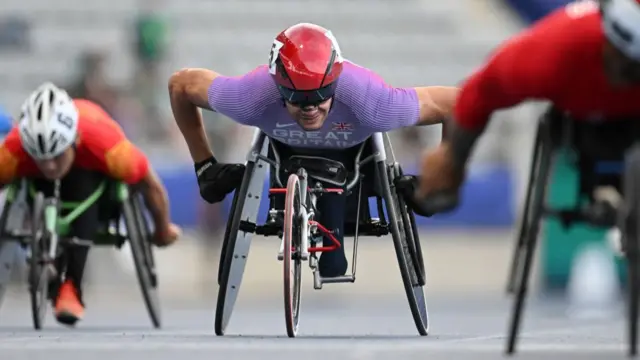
column 342, row 126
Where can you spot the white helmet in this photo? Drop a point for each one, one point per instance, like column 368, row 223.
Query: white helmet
column 48, row 124
column 621, row 25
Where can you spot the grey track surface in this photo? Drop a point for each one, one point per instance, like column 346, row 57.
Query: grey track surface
column 343, row 321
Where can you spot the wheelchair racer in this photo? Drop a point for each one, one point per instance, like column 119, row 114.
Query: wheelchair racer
column 584, row 58
column 306, row 97
column 75, row 141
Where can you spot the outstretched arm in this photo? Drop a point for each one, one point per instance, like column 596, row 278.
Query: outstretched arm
column 155, row 198
column 188, row 91
column 436, row 103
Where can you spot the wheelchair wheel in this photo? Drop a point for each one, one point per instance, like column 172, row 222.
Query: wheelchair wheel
column 39, row 271
column 292, row 261
column 234, row 252
column 137, row 239
column 632, row 240
column 542, row 155
column 411, row 231
column 519, row 250
column 226, row 233
column 147, row 246
column 414, row 290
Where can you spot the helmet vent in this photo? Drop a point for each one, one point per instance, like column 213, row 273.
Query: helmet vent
column 41, row 145
column 623, row 33
column 39, row 116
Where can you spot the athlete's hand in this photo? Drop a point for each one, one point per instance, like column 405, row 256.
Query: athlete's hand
column 440, row 180
column 216, row 180
column 166, row 235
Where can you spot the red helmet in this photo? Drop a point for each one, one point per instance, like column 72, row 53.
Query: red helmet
column 305, row 63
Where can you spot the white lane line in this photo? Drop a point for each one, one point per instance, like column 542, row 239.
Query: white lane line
column 279, row 347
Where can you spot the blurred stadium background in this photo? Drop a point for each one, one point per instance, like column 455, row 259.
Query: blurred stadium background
column 120, row 53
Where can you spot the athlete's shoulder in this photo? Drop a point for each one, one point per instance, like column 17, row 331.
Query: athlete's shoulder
column 375, row 103
column 569, row 28
column 550, row 47
column 97, row 131
column 12, row 156
column 355, row 83
column 89, row 109
column 244, row 98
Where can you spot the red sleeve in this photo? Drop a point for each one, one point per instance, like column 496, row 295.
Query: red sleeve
column 15, row 163
column 126, row 162
column 104, row 138
column 523, row 68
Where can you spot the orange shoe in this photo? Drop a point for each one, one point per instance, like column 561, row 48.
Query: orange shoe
column 68, row 308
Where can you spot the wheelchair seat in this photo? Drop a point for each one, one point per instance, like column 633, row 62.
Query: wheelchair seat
column 341, row 168
column 318, row 168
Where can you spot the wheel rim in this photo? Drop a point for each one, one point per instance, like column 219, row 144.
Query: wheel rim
column 291, row 254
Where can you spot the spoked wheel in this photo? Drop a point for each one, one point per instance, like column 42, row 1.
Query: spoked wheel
column 137, row 236
column 410, row 278
column 520, row 249
column 39, row 263
column 532, row 228
column 631, row 240
column 292, row 260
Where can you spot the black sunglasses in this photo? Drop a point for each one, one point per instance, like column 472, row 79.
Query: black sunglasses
column 304, row 98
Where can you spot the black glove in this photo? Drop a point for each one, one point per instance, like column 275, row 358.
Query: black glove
column 438, row 203
column 216, row 180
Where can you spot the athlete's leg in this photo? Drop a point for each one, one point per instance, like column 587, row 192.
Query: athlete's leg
column 332, row 210
column 76, row 186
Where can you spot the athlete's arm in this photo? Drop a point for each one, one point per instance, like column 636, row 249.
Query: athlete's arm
column 155, row 197
column 436, row 104
column 12, row 159
column 188, row 91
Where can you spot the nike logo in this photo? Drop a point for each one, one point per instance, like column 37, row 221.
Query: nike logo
column 278, row 125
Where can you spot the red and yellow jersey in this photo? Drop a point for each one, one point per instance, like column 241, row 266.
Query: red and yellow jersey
column 559, row 59
column 101, row 146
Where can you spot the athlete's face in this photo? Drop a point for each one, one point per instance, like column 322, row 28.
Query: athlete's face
column 620, row 69
column 310, row 117
column 58, row 167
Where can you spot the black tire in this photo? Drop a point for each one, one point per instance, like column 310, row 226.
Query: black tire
column 519, row 250
column 229, row 243
column 413, row 238
column 292, row 240
column 631, row 240
column 542, row 166
column 226, row 233
column 147, row 246
column 413, row 289
column 38, row 263
column 136, row 239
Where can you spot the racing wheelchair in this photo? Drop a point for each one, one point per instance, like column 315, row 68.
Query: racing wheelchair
column 606, row 154
column 308, row 178
column 43, row 234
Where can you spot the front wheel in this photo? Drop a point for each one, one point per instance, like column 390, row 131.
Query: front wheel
column 39, row 263
column 292, row 260
column 137, row 241
column 408, row 271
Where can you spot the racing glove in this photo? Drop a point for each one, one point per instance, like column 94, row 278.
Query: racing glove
column 406, row 186
column 216, row 180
